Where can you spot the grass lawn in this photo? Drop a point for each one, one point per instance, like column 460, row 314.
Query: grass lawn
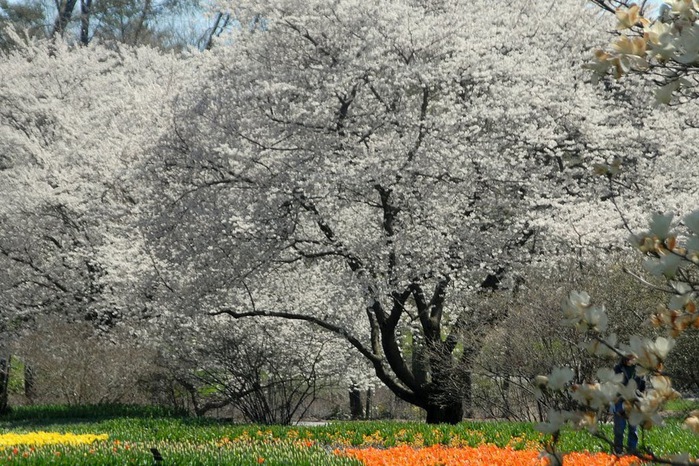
column 127, row 435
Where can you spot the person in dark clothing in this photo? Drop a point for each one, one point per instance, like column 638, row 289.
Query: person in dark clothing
column 627, row 367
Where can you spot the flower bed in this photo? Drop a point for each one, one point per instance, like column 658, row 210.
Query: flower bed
column 49, row 438
column 129, row 440
column 483, row 455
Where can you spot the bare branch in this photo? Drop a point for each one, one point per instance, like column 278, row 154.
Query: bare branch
column 376, row 360
column 647, row 283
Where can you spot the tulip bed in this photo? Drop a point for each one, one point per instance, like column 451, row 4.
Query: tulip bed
column 95, row 436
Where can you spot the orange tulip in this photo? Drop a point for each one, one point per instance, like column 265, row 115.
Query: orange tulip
column 483, row 455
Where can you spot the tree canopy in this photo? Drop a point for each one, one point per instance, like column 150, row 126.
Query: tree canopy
column 370, row 168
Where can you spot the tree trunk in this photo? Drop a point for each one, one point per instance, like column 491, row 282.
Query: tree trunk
column 419, row 363
column 65, row 12
column 355, row 399
column 85, row 12
column 451, row 412
column 145, row 12
column 5, row 365
column 367, row 411
column 467, row 400
column 29, row 383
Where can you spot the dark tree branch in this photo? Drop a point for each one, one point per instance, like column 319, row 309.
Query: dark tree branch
column 422, row 131
column 30, row 263
column 390, row 342
column 355, row 264
column 377, row 362
column 65, row 11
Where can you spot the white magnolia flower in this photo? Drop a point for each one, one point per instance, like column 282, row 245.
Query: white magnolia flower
column 559, row 378
column 556, row 420
column 575, row 304
column 660, row 225
column 586, row 420
column 596, row 318
column 682, row 8
column 541, row 381
column 608, row 375
column 603, row 348
column 662, row 346
column 578, row 312
column 660, row 40
column 629, row 391
column 692, row 422
column 662, row 388
column 667, row 265
column 596, row 396
column 650, row 354
column 645, row 412
column 678, row 302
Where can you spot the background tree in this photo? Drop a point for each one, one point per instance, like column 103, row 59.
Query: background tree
column 28, row 17
column 73, row 364
column 71, row 123
column 123, row 21
column 368, row 168
column 252, row 367
column 173, row 24
column 682, row 365
column 67, row 243
column 518, row 350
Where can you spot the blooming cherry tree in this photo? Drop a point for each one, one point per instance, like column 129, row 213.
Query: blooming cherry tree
column 72, row 121
column 369, row 168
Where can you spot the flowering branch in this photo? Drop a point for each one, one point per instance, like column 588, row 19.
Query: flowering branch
column 677, row 263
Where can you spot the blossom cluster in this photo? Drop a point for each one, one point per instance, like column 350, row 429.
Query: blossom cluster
column 595, row 397
column 670, row 252
column 674, row 256
column 671, row 41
